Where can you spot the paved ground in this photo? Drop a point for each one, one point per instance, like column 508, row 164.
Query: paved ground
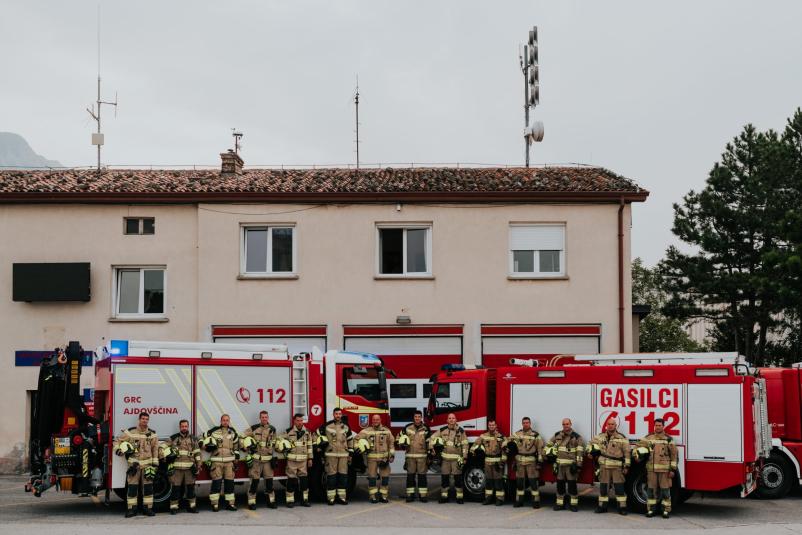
column 63, row 514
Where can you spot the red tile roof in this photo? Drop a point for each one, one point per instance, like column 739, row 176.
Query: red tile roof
column 455, row 184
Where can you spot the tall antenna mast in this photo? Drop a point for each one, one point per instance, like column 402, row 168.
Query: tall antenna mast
column 531, row 70
column 356, row 105
column 97, row 138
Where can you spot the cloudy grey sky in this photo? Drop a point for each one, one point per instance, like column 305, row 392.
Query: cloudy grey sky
column 651, row 90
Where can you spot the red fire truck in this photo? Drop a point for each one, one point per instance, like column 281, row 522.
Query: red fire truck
column 781, row 471
column 71, row 449
column 713, row 406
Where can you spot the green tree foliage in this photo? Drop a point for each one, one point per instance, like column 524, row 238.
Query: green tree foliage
column 744, row 230
column 658, row 333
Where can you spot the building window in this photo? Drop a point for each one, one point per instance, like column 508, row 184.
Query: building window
column 537, row 250
column 139, row 291
column 404, row 251
column 139, row 225
column 268, row 250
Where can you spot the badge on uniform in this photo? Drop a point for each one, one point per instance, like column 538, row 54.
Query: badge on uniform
column 363, row 420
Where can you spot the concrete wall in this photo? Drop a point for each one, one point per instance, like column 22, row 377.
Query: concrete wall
column 336, row 284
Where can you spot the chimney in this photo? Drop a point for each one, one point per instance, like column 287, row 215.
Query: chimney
column 232, row 163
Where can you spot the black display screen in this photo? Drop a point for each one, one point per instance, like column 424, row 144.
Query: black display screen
column 52, row 281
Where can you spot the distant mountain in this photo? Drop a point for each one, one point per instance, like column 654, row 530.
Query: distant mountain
column 15, row 152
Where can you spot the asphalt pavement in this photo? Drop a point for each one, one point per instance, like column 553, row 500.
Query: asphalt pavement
column 64, row 513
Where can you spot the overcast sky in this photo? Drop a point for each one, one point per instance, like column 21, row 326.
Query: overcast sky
column 650, row 90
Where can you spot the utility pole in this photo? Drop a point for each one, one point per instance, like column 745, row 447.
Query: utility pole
column 531, row 70
column 98, row 138
column 356, row 105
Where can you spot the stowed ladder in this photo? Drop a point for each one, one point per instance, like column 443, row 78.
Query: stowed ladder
column 300, row 385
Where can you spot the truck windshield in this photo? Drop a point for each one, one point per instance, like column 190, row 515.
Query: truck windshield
column 450, row 397
column 365, row 382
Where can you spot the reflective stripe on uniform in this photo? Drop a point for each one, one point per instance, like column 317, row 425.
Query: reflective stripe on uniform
column 451, row 456
column 296, row 456
column 222, row 459
column 258, row 457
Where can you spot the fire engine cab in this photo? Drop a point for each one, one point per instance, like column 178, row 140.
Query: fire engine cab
column 713, row 405
column 71, row 449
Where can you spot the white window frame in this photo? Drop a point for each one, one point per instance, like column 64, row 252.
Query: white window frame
column 512, row 274
column 428, row 249
column 270, row 274
column 115, row 292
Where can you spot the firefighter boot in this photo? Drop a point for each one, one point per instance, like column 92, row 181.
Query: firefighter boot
column 130, row 513
column 149, row 512
column 601, row 509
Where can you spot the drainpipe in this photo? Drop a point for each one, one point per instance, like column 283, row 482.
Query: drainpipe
column 621, row 275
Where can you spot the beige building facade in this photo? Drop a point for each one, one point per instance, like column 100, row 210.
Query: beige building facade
column 426, row 272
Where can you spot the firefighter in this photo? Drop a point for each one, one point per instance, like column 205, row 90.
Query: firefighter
column 140, row 446
column 491, row 445
column 415, row 439
column 611, row 449
column 184, row 468
column 222, row 442
column 450, row 443
column 567, row 450
column 377, row 443
column 258, row 443
column 337, row 439
column 659, row 453
column 296, row 444
column 527, row 447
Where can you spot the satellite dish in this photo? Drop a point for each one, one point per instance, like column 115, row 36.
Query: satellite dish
column 534, row 133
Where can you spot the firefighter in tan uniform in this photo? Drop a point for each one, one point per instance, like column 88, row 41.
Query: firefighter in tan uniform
column 337, row 439
column 660, row 453
column 377, row 443
column 567, row 450
column 140, row 446
column 296, row 445
column 184, row 468
column 414, row 438
column 259, row 441
column 526, row 445
column 491, row 445
column 612, row 452
column 223, row 444
column 450, row 443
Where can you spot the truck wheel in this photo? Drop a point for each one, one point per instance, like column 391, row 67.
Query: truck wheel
column 475, row 482
column 636, row 490
column 121, row 494
column 161, row 489
column 317, row 481
column 776, row 478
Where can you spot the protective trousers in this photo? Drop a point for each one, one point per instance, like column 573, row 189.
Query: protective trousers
column 134, row 481
column 374, row 472
column 296, row 473
column 447, row 468
column 495, row 483
column 222, row 474
column 658, row 485
column 258, row 471
column 182, row 480
column 565, row 474
column 336, row 477
column 417, row 466
column 614, row 477
column 526, row 476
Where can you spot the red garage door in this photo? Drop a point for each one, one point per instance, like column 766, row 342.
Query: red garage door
column 297, row 338
column 500, row 343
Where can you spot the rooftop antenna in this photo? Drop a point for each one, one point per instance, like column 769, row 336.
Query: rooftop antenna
column 97, row 138
column 356, row 105
column 531, row 70
column 237, row 137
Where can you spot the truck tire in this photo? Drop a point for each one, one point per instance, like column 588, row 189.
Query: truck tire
column 776, row 478
column 475, row 482
column 161, row 490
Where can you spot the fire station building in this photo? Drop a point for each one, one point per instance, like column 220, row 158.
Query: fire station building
column 421, row 266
